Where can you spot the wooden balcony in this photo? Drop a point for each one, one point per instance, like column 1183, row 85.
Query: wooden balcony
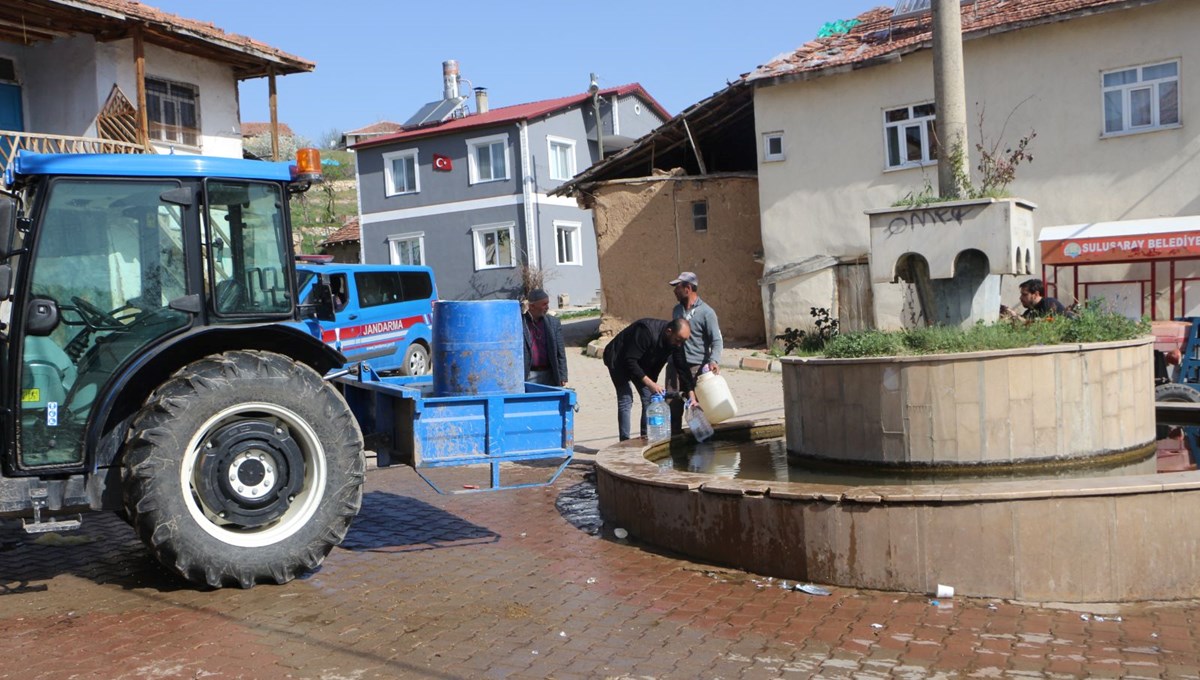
column 12, row 141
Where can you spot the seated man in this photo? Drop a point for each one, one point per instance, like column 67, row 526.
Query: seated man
column 1162, row 374
column 1035, row 302
column 338, row 286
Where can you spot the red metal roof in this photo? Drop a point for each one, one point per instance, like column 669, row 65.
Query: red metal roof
column 877, row 38
column 507, row 114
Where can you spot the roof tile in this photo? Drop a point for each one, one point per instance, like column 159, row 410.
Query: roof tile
column 256, row 129
column 877, row 35
column 348, row 233
column 137, row 11
column 382, row 127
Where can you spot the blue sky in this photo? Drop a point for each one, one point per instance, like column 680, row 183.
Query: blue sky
column 383, row 60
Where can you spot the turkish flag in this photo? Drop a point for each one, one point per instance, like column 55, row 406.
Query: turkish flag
column 442, row 163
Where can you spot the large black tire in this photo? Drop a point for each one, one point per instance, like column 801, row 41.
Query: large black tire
column 244, row 467
column 1177, row 392
column 416, row 360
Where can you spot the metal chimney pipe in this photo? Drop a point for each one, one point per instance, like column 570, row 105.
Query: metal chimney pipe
column 481, row 100
column 450, row 79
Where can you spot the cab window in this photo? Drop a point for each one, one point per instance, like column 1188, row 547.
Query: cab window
column 247, row 248
column 109, row 255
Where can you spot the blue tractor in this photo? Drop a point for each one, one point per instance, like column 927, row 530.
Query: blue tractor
column 146, row 371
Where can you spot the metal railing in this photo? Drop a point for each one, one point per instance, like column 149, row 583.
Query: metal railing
column 12, row 141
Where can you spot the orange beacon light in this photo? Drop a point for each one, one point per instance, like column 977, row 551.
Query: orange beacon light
column 308, row 165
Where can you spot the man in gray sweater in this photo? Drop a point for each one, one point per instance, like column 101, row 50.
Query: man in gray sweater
column 703, row 348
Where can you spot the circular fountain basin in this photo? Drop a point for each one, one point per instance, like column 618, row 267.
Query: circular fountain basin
column 1101, row 539
column 1044, row 404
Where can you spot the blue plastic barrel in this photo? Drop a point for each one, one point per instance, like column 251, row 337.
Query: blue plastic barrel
column 478, row 348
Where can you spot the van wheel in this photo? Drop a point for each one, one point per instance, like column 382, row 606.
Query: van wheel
column 1176, row 392
column 416, row 360
column 243, row 468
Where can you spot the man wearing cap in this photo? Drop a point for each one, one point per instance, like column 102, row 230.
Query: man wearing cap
column 545, row 356
column 702, row 351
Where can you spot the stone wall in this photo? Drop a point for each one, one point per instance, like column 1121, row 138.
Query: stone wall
column 1041, row 403
column 645, row 236
column 1097, row 539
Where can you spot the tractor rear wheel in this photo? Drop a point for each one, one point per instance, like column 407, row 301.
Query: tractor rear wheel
column 244, row 467
column 1177, row 392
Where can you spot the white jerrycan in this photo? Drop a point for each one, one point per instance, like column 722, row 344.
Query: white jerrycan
column 713, row 394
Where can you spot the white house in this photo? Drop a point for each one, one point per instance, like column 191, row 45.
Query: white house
column 845, row 125
column 98, row 75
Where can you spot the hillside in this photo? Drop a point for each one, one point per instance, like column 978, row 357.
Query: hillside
column 323, row 209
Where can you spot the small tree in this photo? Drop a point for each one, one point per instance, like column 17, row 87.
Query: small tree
column 533, row 277
column 330, row 139
column 333, row 172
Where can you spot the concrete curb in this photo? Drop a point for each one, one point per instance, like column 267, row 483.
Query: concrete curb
column 595, row 348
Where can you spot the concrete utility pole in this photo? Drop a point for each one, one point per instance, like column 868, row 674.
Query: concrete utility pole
column 594, row 88
column 950, row 98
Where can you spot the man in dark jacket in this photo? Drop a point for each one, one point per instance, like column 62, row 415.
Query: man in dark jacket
column 545, row 356
column 1037, row 305
column 636, row 355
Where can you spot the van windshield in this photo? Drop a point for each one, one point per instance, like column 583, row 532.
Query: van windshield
column 303, row 278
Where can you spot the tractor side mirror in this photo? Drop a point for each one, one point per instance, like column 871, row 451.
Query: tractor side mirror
column 320, row 301
column 41, row 316
column 8, row 220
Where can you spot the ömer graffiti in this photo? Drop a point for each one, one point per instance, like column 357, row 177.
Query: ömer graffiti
column 929, row 217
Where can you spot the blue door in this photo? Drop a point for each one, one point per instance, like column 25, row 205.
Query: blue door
column 10, row 118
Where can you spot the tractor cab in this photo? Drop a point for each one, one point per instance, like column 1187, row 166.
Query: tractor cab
column 110, row 257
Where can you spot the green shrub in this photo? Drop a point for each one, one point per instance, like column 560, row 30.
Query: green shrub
column 1090, row 323
column 797, row 341
column 579, row 313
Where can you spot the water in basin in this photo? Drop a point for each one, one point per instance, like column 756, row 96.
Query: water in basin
column 767, row 460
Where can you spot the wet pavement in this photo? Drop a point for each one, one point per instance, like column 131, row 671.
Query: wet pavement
column 525, row 584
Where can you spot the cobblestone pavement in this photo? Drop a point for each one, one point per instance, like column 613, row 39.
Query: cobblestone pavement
column 518, row 584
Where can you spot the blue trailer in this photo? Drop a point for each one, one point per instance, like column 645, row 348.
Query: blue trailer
column 404, row 422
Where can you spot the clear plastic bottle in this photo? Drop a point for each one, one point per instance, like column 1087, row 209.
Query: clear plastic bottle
column 658, row 419
column 698, row 424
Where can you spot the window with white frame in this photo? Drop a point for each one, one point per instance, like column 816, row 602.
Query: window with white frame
column 493, row 246
column 772, row 146
column 566, row 238
column 910, row 133
column 173, row 111
column 562, row 157
column 400, row 172
column 1141, row 98
column 407, row 248
column 487, row 158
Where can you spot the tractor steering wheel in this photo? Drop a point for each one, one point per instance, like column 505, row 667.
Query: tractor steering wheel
column 94, row 318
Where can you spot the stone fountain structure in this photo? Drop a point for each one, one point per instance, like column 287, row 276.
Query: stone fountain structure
column 952, row 254
column 1084, row 538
